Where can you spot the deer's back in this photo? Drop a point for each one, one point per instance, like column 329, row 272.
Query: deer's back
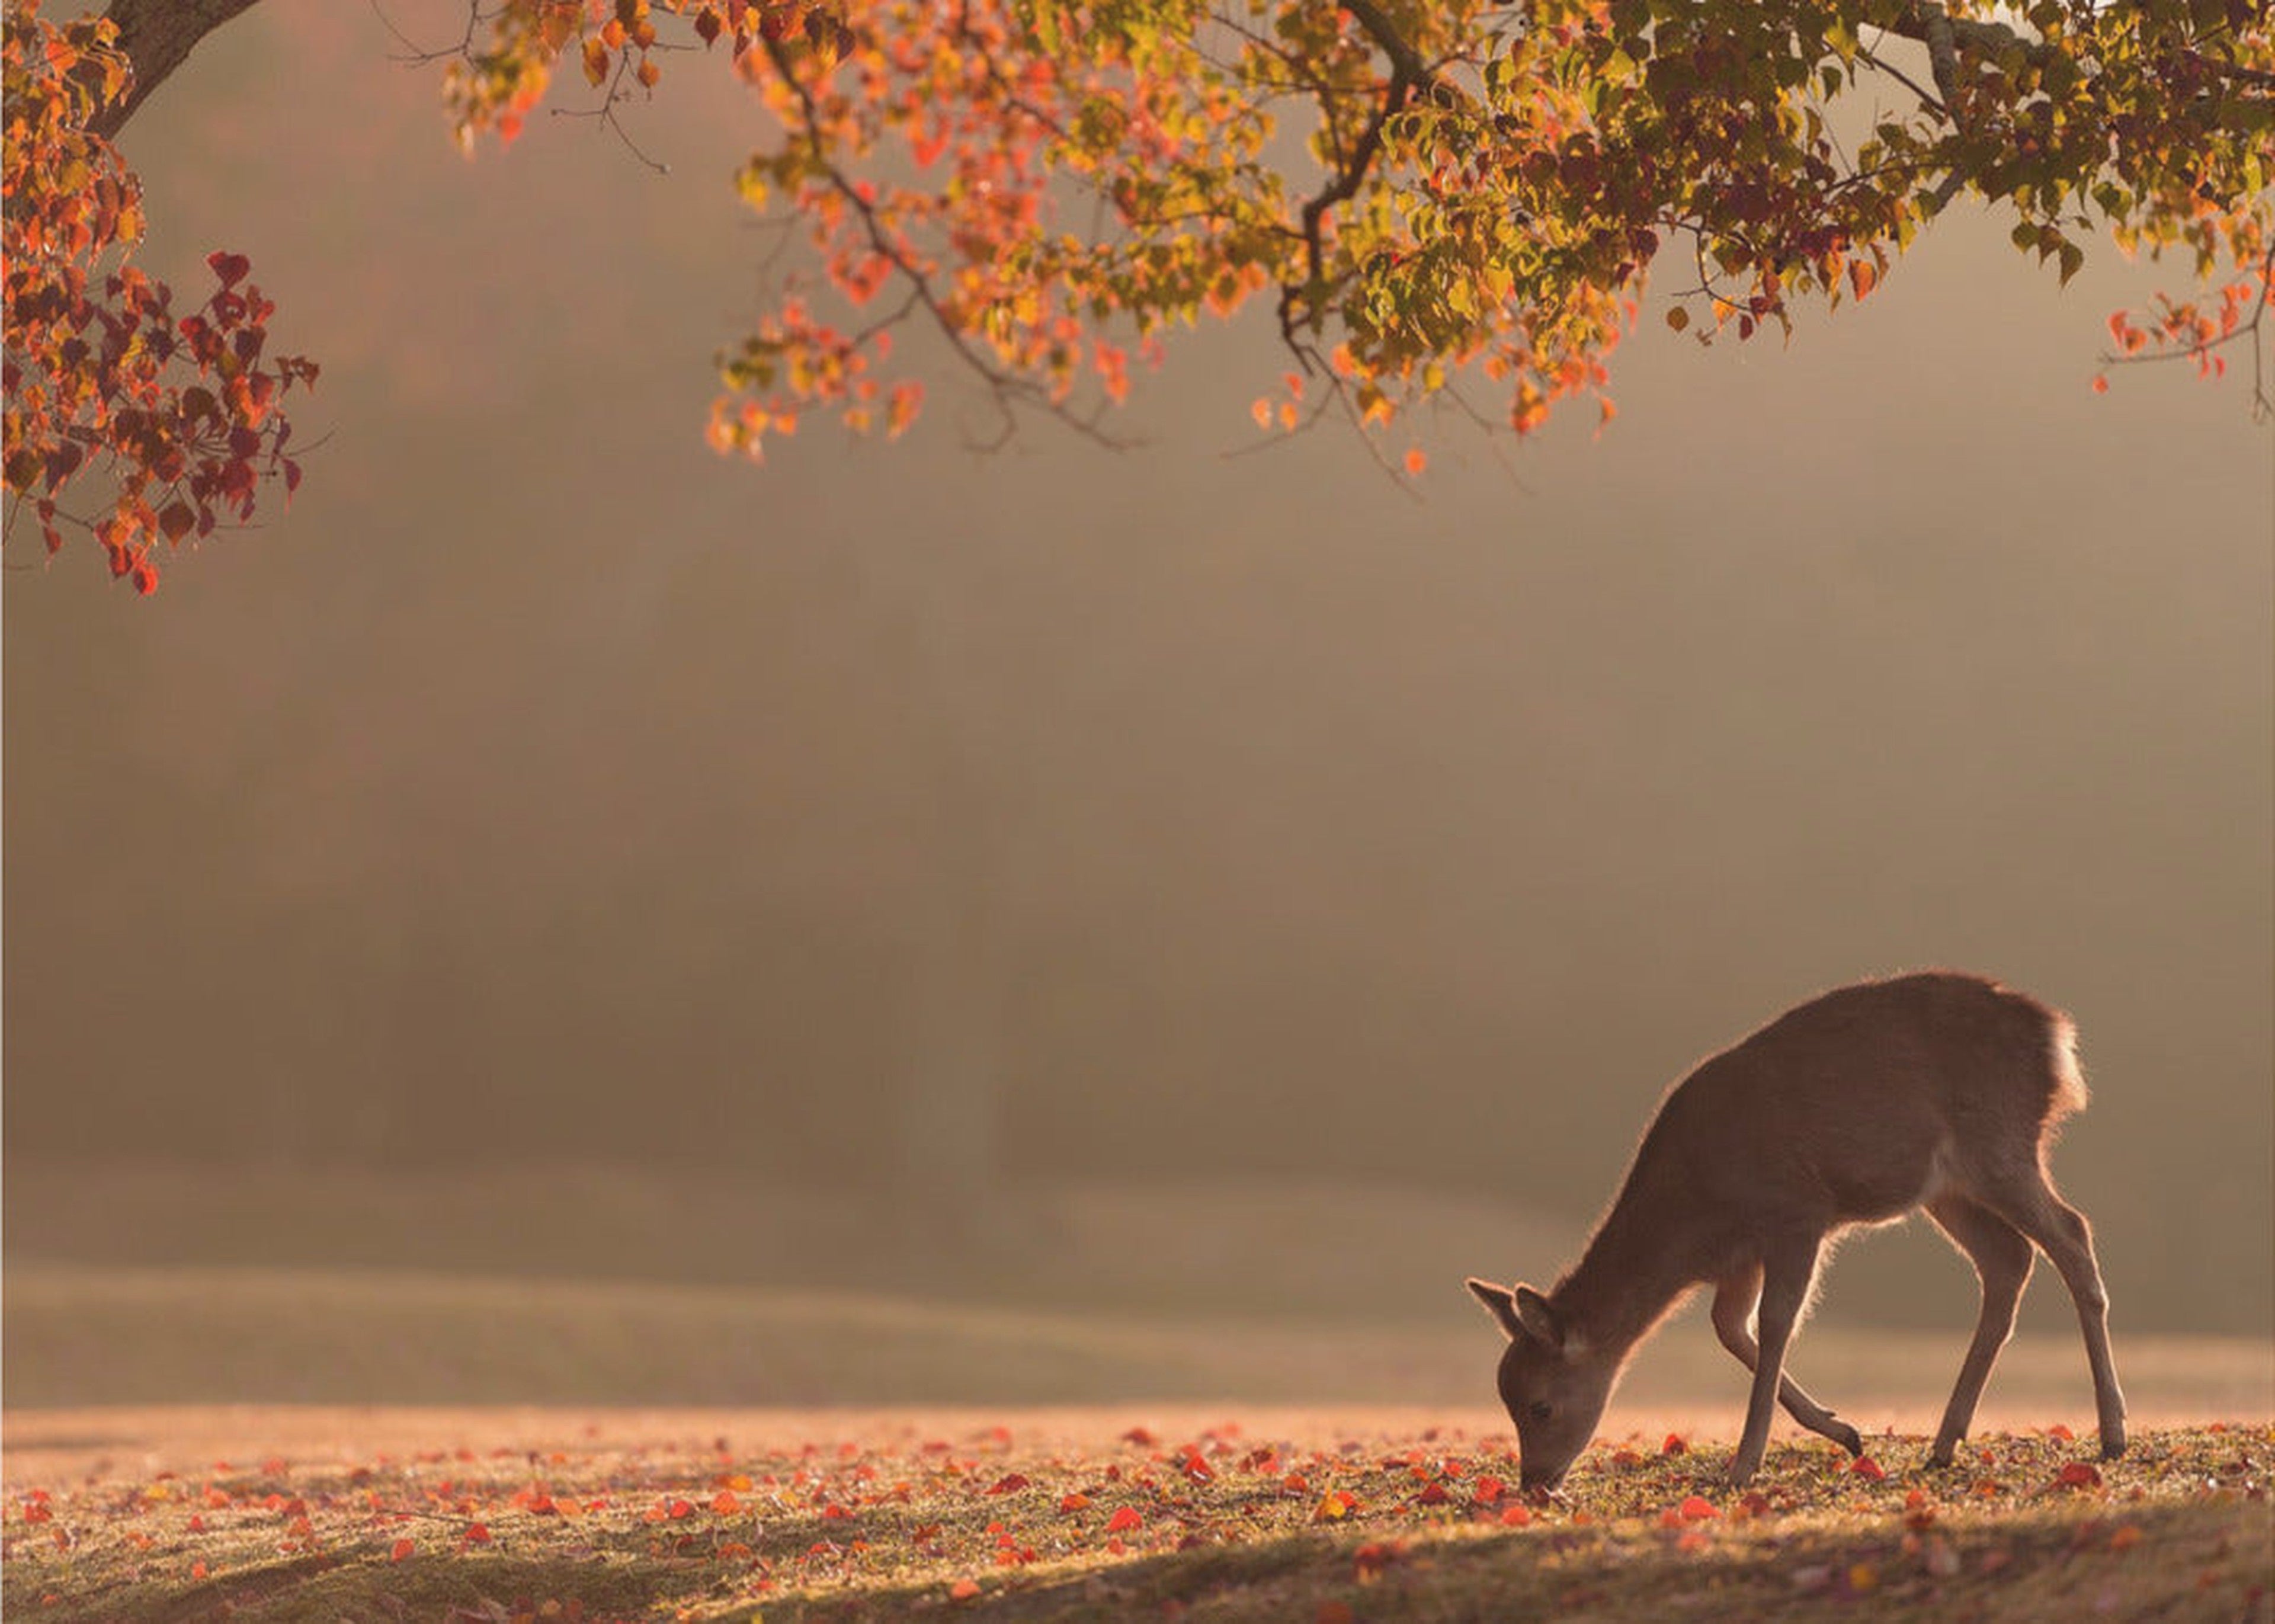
column 1857, row 1104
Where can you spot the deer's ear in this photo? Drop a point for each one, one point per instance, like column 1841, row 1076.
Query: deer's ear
column 1537, row 1319
column 1501, row 1303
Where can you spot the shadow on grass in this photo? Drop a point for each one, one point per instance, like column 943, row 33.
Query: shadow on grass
column 2208, row 1561
column 352, row 1588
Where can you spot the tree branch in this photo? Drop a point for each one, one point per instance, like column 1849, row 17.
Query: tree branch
column 1408, row 75
column 157, row 36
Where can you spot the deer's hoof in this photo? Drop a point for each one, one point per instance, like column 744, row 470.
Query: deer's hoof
column 1849, row 1439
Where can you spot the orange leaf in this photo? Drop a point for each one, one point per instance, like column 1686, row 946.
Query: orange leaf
column 1416, row 460
column 964, row 1590
column 1076, row 1501
column 1516, row 1516
column 725, row 1503
column 1696, row 1509
column 402, row 1551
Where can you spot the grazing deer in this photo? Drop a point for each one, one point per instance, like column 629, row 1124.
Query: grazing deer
column 1939, row 1093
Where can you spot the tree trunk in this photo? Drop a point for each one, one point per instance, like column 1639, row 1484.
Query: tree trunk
column 157, row 36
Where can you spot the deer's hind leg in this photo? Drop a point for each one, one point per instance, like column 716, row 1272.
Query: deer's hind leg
column 1734, row 1315
column 2002, row 1259
column 2027, row 1200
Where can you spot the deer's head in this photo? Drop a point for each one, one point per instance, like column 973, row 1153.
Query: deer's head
column 1553, row 1386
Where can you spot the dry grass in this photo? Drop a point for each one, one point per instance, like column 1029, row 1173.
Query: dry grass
column 1317, row 1515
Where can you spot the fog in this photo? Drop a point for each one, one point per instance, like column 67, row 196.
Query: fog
column 929, row 828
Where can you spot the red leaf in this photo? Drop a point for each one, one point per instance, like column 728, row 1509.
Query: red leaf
column 1696, row 1509
column 2080, row 1475
column 231, row 267
column 1433, row 1494
column 1865, row 1466
column 1124, row 1520
column 1516, row 1516
column 1674, row 1444
column 478, row 1535
column 1010, row 1482
column 1076, row 1501
column 1485, row 1491
column 402, row 1552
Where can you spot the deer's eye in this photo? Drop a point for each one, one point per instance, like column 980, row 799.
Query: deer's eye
column 1539, row 1410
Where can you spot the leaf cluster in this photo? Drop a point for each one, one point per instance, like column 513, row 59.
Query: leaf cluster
column 169, row 419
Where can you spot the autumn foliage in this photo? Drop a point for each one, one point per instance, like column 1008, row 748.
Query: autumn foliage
column 172, row 414
column 1462, row 200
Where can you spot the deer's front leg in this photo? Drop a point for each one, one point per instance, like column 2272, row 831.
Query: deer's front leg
column 1787, row 1271
column 1734, row 1318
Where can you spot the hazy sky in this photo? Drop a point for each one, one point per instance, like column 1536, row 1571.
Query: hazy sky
column 542, row 786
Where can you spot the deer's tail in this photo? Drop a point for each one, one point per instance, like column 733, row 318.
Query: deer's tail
column 2069, row 1077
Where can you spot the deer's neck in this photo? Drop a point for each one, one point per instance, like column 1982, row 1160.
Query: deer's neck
column 1637, row 1267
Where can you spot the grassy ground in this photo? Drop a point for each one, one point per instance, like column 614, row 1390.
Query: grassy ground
column 1108, row 1514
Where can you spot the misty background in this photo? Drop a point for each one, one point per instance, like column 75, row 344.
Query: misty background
column 551, row 849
